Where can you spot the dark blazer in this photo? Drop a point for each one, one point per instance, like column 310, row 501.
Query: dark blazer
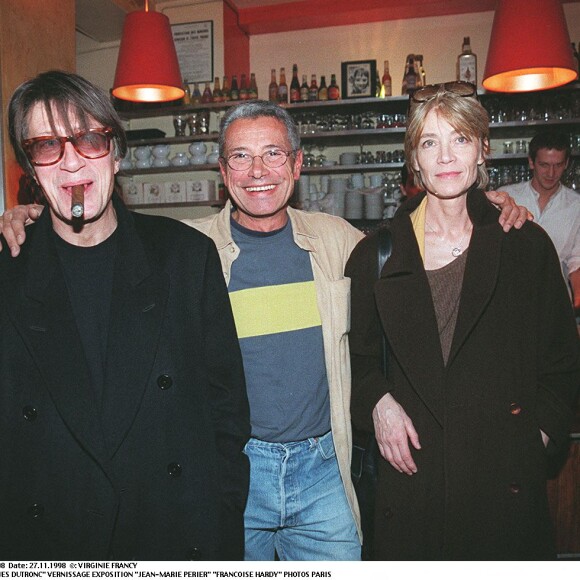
column 158, row 472
column 513, row 369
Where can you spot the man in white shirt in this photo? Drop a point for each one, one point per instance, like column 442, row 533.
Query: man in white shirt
column 555, row 207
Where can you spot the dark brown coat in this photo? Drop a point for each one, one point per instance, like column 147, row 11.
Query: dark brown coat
column 513, row 369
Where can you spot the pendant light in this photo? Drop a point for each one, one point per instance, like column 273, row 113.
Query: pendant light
column 529, row 48
column 147, row 67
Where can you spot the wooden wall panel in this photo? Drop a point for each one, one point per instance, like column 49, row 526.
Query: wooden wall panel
column 34, row 36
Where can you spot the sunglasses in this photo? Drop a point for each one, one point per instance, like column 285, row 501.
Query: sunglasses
column 428, row 92
column 49, row 149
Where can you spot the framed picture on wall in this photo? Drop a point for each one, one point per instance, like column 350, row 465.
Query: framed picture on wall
column 359, row 79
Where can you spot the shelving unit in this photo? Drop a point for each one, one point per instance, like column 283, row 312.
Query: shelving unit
column 565, row 99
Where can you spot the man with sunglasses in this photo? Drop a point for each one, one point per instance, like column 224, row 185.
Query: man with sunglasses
column 123, row 406
column 285, row 274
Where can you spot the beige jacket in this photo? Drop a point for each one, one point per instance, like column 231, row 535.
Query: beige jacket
column 330, row 240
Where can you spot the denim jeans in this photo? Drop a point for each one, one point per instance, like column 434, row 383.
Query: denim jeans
column 297, row 508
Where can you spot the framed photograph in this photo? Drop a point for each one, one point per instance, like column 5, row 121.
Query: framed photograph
column 359, row 79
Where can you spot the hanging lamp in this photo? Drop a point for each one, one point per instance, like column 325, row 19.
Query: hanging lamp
column 147, row 67
column 529, row 48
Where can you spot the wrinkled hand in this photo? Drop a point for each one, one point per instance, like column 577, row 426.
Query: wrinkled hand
column 12, row 224
column 393, row 430
column 512, row 215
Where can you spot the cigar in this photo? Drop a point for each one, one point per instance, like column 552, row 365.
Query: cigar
column 77, row 207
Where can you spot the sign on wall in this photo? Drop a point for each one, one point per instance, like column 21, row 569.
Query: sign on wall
column 194, row 46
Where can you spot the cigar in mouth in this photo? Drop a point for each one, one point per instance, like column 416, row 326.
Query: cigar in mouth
column 77, row 207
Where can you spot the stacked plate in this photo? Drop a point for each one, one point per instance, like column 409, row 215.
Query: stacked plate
column 374, row 203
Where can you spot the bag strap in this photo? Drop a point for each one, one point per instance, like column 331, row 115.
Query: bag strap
column 385, row 247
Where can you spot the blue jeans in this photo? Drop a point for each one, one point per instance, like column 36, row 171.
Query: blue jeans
column 297, row 507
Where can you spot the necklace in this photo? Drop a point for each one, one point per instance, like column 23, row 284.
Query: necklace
column 456, row 250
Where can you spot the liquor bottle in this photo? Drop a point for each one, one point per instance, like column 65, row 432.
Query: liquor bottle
column 417, row 72
column 226, row 91
column 467, row 63
column 187, row 94
column 207, row 96
column 295, row 85
column 273, row 87
column 253, row 89
column 195, row 95
column 323, row 89
column 282, row 87
column 304, row 89
column 313, row 89
column 333, row 90
column 235, row 91
column 387, row 82
column 379, row 86
column 422, row 72
column 217, row 94
column 409, row 77
column 244, row 88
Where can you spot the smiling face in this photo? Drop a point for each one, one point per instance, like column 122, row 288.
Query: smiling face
column 261, row 193
column 447, row 160
column 96, row 175
column 548, row 169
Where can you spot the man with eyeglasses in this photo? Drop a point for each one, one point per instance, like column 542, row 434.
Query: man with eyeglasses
column 285, row 274
column 123, row 411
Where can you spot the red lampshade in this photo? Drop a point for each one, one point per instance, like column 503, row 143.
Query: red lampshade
column 147, row 67
column 529, row 48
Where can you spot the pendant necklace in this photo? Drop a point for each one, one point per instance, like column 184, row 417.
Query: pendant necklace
column 456, row 250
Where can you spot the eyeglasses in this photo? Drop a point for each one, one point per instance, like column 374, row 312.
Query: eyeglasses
column 428, row 92
column 49, row 149
column 243, row 161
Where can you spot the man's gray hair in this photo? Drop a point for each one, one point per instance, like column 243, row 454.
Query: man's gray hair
column 256, row 110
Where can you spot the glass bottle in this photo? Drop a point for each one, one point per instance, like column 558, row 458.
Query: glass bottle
column 333, row 89
column 195, row 95
column 273, row 87
column 409, row 77
column 282, row 87
column 217, row 95
column 187, row 94
column 304, row 89
column 422, row 72
column 226, row 91
column 207, row 96
column 419, row 82
column 253, row 89
column 323, row 89
column 386, row 81
column 244, row 88
column 294, row 85
column 235, row 91
column 467, row 63
column 313, row 89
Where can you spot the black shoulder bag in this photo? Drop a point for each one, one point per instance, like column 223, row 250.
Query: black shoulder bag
column 365, row 450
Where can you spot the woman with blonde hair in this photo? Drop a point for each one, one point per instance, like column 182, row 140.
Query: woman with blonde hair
column 483, row 354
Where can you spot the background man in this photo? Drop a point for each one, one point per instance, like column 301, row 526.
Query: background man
column 123, row 409
column 555, row 207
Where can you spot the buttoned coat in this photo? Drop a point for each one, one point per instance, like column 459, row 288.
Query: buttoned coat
column 158, row 471
column 480, row 489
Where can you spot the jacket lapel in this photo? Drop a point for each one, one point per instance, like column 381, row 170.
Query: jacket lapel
column 44, row 317
column 405, row 305
column 137, row 310
column 481, row 269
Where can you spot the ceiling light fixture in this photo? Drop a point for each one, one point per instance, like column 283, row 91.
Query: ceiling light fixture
column 147, row 67
column 529, row 48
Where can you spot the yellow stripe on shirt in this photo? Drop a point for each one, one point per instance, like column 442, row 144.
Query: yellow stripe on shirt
column 272, row 309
